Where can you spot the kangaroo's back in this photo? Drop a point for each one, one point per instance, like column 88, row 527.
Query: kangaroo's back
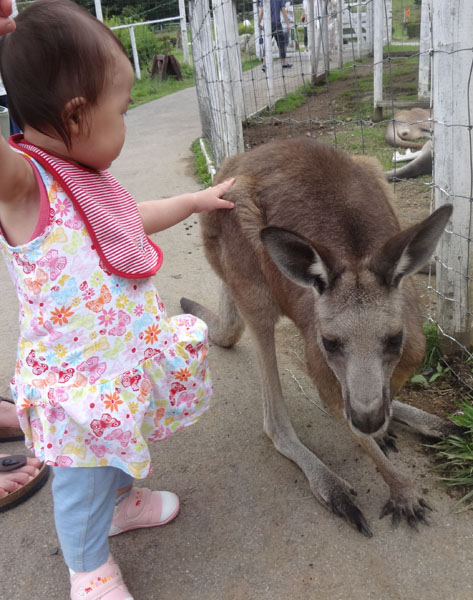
column 309, row 187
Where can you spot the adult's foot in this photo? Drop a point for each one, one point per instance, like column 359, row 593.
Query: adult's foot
column 9, row 426
column 20, row 477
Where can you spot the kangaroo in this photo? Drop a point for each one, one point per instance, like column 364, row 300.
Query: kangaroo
column 408, row 125
column 420, row 165
column 313, row 236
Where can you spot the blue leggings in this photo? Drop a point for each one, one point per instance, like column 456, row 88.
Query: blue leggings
column 84, row 500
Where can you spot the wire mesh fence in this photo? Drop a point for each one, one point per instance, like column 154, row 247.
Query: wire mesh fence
column 362, row 75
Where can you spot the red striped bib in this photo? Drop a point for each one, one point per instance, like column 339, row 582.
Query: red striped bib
column 108, row 211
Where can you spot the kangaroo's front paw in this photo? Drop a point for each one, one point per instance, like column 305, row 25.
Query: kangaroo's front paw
column 406, row 503
column 338, row 496
column 387, row 442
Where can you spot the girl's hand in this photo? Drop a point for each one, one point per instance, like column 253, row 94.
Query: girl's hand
column 7, row 25
column 211, row 198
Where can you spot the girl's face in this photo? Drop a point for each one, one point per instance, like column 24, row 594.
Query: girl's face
column 103, row 140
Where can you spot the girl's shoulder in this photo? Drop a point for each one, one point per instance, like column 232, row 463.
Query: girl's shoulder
column 19, row 195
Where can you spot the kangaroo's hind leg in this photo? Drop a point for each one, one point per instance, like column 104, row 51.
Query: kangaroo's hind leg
column 226, row 327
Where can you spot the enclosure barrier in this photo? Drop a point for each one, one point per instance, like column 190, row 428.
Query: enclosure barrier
column 338, row 36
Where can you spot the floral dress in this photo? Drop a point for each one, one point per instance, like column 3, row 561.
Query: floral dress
column 100, row 368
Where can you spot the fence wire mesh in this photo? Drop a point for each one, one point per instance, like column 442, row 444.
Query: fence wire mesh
column 345, row 72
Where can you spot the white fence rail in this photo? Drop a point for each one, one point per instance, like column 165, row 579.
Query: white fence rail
column 134, row 48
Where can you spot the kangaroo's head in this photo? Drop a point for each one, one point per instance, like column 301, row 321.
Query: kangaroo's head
column 360, row 309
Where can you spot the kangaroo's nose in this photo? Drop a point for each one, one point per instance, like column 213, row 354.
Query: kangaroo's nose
column 368, row 423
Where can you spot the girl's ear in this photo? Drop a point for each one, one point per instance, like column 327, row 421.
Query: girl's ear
column 73, row 114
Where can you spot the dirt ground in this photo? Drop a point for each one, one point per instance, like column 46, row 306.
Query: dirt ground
column 412, row 203
column 249, row 528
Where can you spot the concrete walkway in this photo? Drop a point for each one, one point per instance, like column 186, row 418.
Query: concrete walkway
column 249, row 527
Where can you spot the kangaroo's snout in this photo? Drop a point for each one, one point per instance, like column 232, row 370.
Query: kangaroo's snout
column 368, row 423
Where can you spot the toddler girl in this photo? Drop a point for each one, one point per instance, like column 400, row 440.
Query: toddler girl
column 100, row 368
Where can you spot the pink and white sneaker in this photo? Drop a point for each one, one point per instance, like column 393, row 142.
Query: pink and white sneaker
column 144, row 508
column 104, row 583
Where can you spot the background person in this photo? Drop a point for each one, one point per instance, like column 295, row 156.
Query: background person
column 278, row 7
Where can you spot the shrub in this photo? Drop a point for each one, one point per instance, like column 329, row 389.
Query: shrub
column 148, row 42
column 413, row 30
column 245, row 29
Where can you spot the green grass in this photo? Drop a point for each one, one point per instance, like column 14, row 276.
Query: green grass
column 200, row 164
column 356, row 140
column 455, row 456
column 358, row 97
column 292, row 101
column 249, row 62
column 146, row 89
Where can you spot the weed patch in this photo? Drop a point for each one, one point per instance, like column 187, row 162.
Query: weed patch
column 200, row 162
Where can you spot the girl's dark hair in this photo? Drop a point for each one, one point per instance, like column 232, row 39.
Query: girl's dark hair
column 57, row 52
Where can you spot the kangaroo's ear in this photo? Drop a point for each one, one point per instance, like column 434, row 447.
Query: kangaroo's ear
column 299, row 258
column 408, row 251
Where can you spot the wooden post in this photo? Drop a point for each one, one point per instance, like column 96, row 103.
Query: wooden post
column 230, row 77
column 135, row 53
column 324, row 33
column 268, row 50
column 340, row 4
column 369, row 27
column 359, row 31
column 183, row 22
column 451, row 31
column 424, row 56
column 387, row 21
column 197, row 53
column 258, row 46
column 4, row 122
column 98, row 10
column 237, row 68
column 311, row 31
column 378, row 14
column 208, row 91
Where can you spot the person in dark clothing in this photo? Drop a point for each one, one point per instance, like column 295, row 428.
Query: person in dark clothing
column 278, row 7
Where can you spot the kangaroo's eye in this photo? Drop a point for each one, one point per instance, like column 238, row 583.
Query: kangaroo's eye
column 331, row 345
column 393, row 342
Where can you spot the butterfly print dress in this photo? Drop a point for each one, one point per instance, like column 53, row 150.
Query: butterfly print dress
column 101, row 370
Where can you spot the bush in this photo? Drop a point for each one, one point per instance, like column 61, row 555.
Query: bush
column 148, row 42
column 244, row 29
column 413, row 30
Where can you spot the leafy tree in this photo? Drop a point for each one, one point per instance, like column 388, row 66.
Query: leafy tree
column 142, row 10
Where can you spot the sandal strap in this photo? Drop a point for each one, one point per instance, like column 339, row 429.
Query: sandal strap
column 12, row 462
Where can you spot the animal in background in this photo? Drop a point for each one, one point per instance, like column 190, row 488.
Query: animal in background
column 313, row 237
column 420, row 165
column 408, row 125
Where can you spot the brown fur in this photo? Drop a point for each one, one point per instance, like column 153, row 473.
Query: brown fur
column 340, row 276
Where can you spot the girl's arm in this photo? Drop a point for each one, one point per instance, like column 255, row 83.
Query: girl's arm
column 19, row 193
column 158, row 215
